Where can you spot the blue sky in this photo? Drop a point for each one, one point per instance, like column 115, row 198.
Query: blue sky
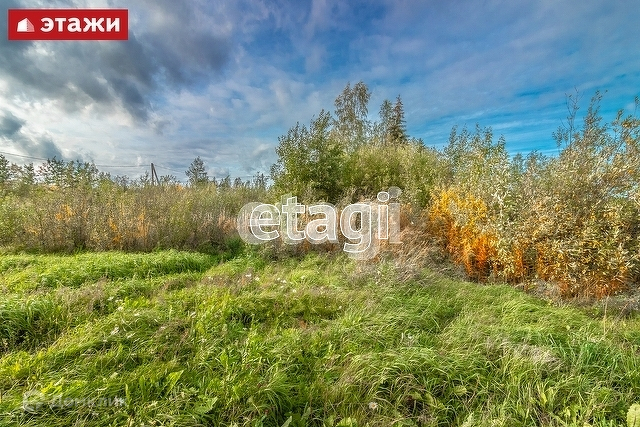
column 223, row 79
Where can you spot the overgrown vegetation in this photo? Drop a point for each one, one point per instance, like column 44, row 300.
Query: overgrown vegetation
column 68, row 206
column 178, row 339
column 572, row 220
column 231, row 335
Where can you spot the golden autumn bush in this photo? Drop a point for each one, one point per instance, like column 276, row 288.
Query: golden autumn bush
column 573, row 220
column 461, row 223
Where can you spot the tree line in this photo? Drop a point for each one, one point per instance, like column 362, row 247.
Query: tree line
column 572, row 220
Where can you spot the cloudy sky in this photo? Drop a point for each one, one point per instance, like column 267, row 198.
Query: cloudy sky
column 223, row 79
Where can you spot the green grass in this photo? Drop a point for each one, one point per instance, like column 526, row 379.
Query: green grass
column 181, row 339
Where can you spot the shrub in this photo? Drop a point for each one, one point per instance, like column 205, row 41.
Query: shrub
column 573, row 219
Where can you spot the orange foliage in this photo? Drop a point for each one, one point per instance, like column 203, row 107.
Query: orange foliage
column 64, row 214
column 116, row 240
column 459, row 221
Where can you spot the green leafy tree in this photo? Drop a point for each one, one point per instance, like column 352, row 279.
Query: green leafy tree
column 238, row 182
column 397, row 130
column 26, row 174
column 259, row 181
column 53, row 172
column 225, row 182
column 81, row 174
column 310, row 161
column 351, row 126
column 5, row 170
column 381, row 128
column 197, row 173
column 169, row 180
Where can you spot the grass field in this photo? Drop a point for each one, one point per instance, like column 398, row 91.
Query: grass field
column 184, row 339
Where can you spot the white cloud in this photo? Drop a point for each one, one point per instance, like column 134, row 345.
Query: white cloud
column 241, row 73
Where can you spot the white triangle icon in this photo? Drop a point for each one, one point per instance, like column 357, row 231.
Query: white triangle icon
column 25, row 26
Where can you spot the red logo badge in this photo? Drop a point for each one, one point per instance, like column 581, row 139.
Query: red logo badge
column 68, row 24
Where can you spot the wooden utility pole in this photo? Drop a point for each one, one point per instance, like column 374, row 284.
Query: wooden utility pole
column 154, row 175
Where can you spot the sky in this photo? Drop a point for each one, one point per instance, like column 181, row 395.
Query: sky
column 224, row 79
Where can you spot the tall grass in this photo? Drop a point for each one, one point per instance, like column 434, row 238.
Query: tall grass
column 313, row 341
column 103, row 214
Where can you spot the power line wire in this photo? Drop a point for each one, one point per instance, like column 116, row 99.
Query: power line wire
column 43, row 159
column 112, row 166
column 23, row 156
column 169, row 169
column 118, row 166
